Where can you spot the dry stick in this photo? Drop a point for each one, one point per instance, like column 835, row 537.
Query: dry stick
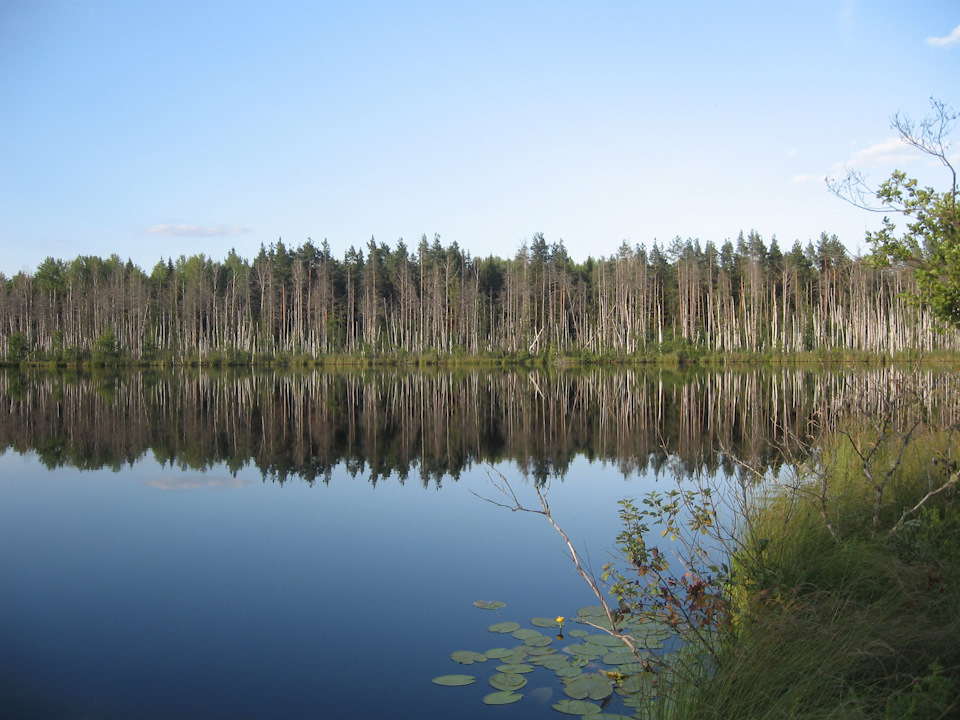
column 506, row 489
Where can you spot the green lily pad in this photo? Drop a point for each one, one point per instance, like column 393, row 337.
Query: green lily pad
column 527, row 633
column 501, row 698
column 576, row 707
column 508, row 682
column 454, row 680
column 638, row 683
column 538, row 641
column 605, row 640
column 578, row 633
column 515, row 668
column 537, row 651
column 619, row 657
column 467, row 657
column 489, row 604
column 498, row 653
column 590, row 686
column 592, row 611
column 544, row 622
column 504, row 627
column 567, row 671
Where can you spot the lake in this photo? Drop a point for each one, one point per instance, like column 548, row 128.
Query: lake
column 254, row 544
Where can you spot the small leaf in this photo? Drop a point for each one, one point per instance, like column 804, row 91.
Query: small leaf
column 454, row 680
column 467, row 657
column 508, row 682
column 501, row 698
column 498, row 653
column 544, row 622
column 527, row 633
column 504, row 627
column 576, row 707
column 489, row 604
column 515, row 668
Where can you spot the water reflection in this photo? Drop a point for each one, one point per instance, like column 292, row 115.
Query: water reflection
column 431, row 424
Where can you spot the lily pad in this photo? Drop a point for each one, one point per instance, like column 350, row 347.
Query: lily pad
column 501, row 698
column 489, row 604
column 619, row 657
column 605, row 640
column 454, row 680
column 537, row 651
column 590, row 686
column 544, row 622
column 508, row 682
column 504, row 627
column 498, row 653
column 527, row 633
column 567, row 671
column 592, row 611
column 578, row 633
column 467, row 657
column 538, row 641
column 576, row 707
column 639, row 683
column 515, row 668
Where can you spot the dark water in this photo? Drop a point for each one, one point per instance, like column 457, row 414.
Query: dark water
column 310, row 546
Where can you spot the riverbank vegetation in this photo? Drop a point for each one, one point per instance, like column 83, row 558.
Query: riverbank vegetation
column 677, row 302
column 842, row 583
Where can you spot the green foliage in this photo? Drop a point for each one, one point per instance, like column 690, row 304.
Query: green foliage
column 106, row 349
column 18, row 348
column 930, row 244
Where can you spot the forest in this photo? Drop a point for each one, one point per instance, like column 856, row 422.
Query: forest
column 683, row 298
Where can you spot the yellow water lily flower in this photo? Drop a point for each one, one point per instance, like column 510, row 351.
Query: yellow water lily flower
column 560, row 619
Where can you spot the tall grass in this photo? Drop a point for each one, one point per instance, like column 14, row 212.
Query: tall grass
column 862, row 622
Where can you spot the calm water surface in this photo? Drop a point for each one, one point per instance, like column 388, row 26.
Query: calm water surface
column 163, row 553
column 156, row 592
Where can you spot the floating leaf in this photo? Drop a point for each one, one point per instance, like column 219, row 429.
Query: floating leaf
column 467, row 657
column 504, row 627
column 619, row 657
column 592, row 611
column 498, row 653
column 538, row 641
column 454, row 680
column 526, row 633
column 605, row 640
column 515, row 668
column 576, row 707
column 590, row 686
column 578, row 633
column 544, row 650
column 638, row 683
column 544, row 622
column 508, row 682
column 489, row 604
column 501, row 698
column 567, row 671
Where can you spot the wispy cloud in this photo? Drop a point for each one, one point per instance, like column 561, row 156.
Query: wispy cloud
column 892, row 151
column 951, row 39
column 195, row 230
column 195, row 482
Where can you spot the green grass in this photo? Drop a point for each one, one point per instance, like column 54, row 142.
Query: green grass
column 864, row 627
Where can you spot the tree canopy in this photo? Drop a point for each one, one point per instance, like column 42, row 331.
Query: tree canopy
column 930, row 243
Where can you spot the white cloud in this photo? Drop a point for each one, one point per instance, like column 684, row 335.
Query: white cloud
column 806, row 177
column 892, row 151
column 951, row 39
column 193, row 482
column 167, row 230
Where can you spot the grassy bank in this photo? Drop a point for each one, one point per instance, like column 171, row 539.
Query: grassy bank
column 841, row 612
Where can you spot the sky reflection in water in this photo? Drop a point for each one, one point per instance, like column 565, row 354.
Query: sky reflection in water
column 152, row 592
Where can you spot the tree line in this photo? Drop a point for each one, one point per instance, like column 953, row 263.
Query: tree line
column 437, row 300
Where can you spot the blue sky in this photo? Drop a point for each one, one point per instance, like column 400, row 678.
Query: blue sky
column 155, row 129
